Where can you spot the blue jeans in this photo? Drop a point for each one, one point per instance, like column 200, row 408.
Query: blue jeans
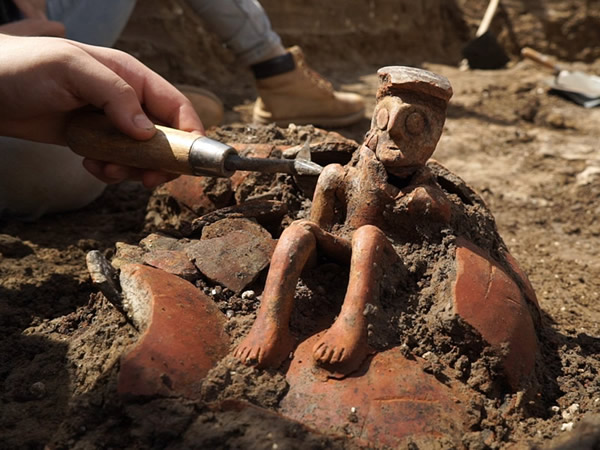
column 242, row 25
column 96, row 22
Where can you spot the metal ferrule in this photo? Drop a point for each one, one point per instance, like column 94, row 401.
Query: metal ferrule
column 207, row 157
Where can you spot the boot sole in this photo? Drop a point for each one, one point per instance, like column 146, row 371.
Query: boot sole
column 317, row 121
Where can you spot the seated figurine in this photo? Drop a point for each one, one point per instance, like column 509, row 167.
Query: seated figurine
column 357, row 212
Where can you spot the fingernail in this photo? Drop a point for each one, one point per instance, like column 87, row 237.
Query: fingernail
column 142, row 121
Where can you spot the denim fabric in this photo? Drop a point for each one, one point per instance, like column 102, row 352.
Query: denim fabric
column 96, row 22
column 242, row 25
column 37, row 179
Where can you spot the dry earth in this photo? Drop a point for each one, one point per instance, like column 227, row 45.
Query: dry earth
column 532, row 156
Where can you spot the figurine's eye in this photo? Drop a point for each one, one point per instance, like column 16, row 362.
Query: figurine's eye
column 382, row 118
column 415, row 123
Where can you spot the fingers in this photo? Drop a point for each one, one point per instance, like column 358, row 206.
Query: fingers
column 96, row 84
column 161, row 99
column 153, row 178
column 111, row 173
column 118, row 83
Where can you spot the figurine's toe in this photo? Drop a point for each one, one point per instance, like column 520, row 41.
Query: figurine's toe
column 338, row 355
column 241, row 353
column 320, row 351
column 260, row 352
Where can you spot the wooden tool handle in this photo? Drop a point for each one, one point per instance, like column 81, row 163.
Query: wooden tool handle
column 540, row 58
column 487, row 17
column 93, row 136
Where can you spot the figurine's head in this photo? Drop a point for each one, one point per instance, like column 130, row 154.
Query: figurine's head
column 409, row 117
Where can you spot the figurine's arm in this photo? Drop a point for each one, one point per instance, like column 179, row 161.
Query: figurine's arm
column 329, row 184
column 429, row 201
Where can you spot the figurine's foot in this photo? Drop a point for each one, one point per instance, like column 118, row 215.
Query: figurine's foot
column 265, row 346
column 344, row 346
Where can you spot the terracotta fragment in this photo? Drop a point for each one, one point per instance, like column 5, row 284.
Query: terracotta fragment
column 389, row 401
column 193, row 192
column 175, row 262
column 233, row 260
column 487, row 298
column 182, row 334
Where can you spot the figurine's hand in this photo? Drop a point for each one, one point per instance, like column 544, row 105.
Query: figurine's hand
column 429, row 201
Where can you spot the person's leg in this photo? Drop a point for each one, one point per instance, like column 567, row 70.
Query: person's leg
column 243, row 26
column 96, row 22
column 36, row 179
column 289, row 91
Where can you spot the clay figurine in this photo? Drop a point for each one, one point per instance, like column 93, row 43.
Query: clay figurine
column 357, row 212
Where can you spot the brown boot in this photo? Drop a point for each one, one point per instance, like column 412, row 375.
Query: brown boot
column 207, row 105
column 302, row 96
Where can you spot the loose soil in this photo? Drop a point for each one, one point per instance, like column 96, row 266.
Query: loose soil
column 531, row 156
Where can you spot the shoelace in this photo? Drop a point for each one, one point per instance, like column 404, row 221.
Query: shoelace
column 312, row 75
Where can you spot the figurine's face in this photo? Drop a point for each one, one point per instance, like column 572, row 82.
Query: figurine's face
column 404, row 132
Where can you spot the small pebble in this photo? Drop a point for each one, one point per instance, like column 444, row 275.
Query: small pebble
column 248, row 295
column 568, row 413
column 38, row 390
column 566, row 426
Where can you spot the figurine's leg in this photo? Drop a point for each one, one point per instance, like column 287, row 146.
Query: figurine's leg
column 269, row 341
column 345, row 343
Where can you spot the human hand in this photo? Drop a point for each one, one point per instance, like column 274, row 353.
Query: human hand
column 43, row 80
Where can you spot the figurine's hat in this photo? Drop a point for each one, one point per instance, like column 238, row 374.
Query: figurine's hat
column 393, row 79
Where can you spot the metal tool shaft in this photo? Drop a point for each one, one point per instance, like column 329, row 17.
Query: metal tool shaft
column 264, row 165
column 213, row 158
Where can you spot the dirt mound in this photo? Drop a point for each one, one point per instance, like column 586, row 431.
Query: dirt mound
column 532, row 157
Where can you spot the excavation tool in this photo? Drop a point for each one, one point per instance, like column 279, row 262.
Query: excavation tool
column 580, row 87
column 93, row 136
column 484, row 52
